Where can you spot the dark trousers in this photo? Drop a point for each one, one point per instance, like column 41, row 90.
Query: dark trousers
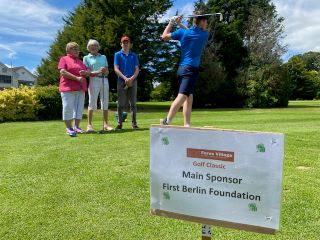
column 127, row 96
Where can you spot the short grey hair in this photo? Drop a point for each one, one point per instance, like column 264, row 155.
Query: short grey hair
column 93, row 42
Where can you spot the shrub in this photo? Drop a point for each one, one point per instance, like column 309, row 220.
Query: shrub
column 50, row 103
column 18, row 104
column 25, row 103
column 162, row 92
column 268, row 86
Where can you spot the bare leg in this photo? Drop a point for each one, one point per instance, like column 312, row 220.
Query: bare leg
column 77, row 123
column 187, row 108
column 90, row 116
column 105, row 118
column 68, row 123
column 175, row 106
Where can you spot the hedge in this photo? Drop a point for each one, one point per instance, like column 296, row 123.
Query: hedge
column 25, row 103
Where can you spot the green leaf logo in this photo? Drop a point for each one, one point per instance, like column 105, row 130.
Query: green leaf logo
column 166, row 195
column 252, row 207
column 261, row 148
column 165, row 141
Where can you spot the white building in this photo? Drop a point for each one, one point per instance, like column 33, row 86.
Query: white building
column 14, row 77
column 24, row 76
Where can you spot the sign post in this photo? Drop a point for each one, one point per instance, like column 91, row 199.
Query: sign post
column 217, row 177
column 206, row 232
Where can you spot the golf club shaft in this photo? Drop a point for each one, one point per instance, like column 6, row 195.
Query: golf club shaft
column 78, row 100
column 102, row 102
column 205, row 15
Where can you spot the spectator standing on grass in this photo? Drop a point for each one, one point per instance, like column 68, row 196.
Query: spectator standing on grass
column 98, row 84
column 72, row 87
column 126, row 66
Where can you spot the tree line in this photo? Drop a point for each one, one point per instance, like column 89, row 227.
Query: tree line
column 241, row 65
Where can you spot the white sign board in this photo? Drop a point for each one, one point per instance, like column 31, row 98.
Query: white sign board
column 230, row 177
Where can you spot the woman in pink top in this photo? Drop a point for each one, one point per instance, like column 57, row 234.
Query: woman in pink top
column 73, row 85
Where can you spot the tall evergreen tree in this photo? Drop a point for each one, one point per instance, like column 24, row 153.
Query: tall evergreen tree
column 107, row 21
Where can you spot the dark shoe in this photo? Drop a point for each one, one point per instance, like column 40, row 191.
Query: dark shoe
column 118, row 127
column 135, row 126
column 164, row 121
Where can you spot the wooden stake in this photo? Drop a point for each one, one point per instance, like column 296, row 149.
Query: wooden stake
column 206, row 232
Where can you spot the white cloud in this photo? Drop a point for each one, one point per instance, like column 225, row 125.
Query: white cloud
column 186, row 10
column 27, row 27
column 12, row 50
column 302, row 24
column 29, row 14
column 33, row 70
column 32, row 19
column 28, row 33
column 7, row 50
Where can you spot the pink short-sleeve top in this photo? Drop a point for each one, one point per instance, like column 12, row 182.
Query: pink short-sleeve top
column 73, row 65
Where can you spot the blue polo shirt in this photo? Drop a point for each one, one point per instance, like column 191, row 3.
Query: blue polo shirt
column 126, row 64
column 192, row 41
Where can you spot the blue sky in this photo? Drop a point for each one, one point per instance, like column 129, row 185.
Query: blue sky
column 28, row 27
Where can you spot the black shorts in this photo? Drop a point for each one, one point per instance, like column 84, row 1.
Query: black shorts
column 187, row 77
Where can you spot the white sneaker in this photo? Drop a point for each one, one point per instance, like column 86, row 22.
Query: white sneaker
column 108, row 128
column 89, row 129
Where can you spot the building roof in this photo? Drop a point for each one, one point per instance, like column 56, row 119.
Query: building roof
column 22, row 67
column 3, row 65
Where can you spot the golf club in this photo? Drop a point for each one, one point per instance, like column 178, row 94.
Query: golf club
column 77, row 108
column 209, row 14
column 102, row 105
column 77, row 99
column 203, row 15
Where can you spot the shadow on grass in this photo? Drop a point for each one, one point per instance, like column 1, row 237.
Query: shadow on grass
column 304, row 106
column 125, row 130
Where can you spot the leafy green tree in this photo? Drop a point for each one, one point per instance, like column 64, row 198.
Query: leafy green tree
column 312, row 60
column 234, row 52
column 263, row 81
column 223, row 55
column 263, row 36
column 304, row 77
column 266, row 86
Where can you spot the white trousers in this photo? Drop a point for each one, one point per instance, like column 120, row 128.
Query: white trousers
column 98, row 86
column 72, row 105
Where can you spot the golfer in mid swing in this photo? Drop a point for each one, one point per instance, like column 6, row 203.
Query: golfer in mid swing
column 193, row 41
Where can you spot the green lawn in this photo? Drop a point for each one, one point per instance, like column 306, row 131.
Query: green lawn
column 96, row 186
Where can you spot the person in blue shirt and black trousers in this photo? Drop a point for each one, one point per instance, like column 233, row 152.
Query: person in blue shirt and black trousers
column 126, row 66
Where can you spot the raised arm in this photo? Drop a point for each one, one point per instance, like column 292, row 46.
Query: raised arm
column 180, row 23
column 166, row 35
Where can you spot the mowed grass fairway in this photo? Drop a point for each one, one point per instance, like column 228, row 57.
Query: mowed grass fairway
column 96, row 186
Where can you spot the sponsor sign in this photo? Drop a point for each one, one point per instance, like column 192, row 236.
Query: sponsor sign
column 219, row 177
